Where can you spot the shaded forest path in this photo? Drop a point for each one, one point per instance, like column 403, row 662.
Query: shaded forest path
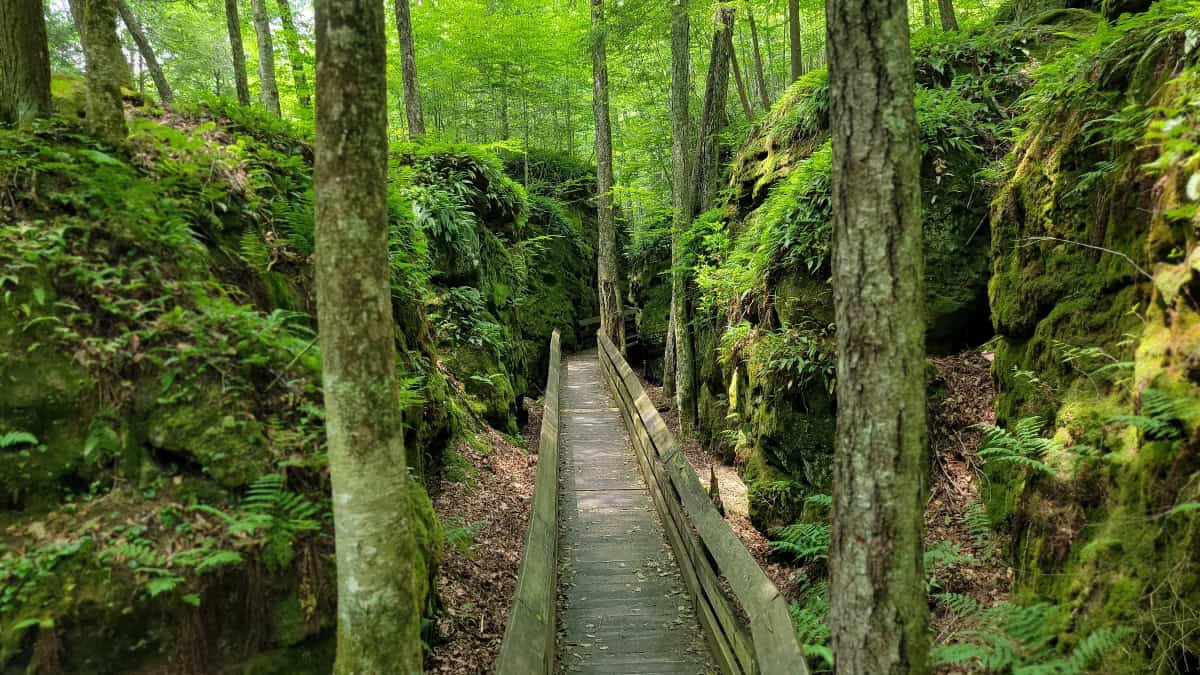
column 623, row 605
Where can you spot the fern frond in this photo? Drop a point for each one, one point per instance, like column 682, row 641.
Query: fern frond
column 15, row 438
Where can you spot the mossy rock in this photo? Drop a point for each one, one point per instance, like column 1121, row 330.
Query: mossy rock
column 221, row 438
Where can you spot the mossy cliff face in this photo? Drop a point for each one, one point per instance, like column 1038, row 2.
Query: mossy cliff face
column 765, row 331
column 1093, row 296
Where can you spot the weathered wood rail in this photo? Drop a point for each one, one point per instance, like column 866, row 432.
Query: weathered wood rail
column 759, row 638
column 529, row 638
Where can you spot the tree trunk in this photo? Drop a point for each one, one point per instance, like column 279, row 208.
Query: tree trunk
column 682, row 375
column 706, row 172
column 612, row 317
column 741, row 83
column 928, row 13
column 760, row 79
column 291, row 38
column 239, row 52
column 505, row 130
column 266, row 57
column 24, row 61
column 105, row 67
column 408, row 69
column 379, row 608
column 699, row 196
column 794, row 39
column 147, row 52
column 946, row 10
column 878, row 614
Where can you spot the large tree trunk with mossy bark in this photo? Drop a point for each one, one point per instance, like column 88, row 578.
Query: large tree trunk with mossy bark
column 946, row 10
column 797, row 53
column 291, row 38
column 408, row 72
column 878, row 616
column 266, row 57
column 681, row 366
column 147, row 51
column 379, row 612
column 117, row 55
column 105, row 66
column 612, row 316
column 24, row 61
column 234, row 25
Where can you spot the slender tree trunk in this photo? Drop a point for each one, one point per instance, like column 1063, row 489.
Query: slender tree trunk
column 116, row 55
column 794, row 39
column 24, row 61
column 741, row 83
column 681, row 366
column 878, row 614
column 946, row 10
column 706, row 171
column 505, row 130
column 928, row 18
column 698, row 196
column 291, row 38
column 408, row 69
column 379, row 608
column 612, row 316
column 147, row 52
column 105, row 66
column 234, row 25
column 266, row 57
column 761, row 80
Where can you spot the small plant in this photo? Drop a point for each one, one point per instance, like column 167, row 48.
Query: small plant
column 272, row 511
column 805, row 541
column 808, row 620
column 1024, row 445
column 461, row 535
column 1018, row 639
column 1160, row 418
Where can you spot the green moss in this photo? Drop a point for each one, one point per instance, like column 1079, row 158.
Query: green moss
column 229, row 445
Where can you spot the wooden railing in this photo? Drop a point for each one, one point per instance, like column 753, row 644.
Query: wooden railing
column 759, row 638
column 529, row 638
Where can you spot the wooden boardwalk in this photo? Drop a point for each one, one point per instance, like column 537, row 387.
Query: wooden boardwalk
column 623, row 606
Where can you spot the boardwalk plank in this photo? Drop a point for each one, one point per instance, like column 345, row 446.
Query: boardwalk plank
column 624, row 607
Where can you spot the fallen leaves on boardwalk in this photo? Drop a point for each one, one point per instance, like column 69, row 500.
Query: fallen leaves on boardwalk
column 486, row 517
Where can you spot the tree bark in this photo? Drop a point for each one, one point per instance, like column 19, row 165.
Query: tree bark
column 760, row 79
column 878, row 615
column 24, row 61
column 105, row 66
column 743, row 97
column 706, row 171
column 699, row 196
column 234, row 24
column 683, row 366
column 379, row 611
column 797, row 53
column 928, row 13
column 266, row 57
column 612, row 317
column 408, row 70
column 291, row 38
column 147, row 52
column 505, row 131
column 946, row 10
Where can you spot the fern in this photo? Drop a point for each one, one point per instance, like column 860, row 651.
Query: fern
column 1160, row 419
column 15, row 438
column 805, row 541
column 808, row 620
column 979, row 523
column 1018, row 639
column 1024, row 445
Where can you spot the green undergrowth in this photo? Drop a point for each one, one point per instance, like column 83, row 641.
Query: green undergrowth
column 162, row 453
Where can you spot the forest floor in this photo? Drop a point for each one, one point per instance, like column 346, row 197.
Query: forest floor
column 972, row 563
column 483, row 503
